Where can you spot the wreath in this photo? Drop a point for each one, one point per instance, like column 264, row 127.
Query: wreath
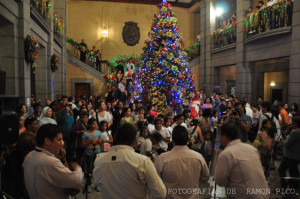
column 31, row 46
column 54, row 62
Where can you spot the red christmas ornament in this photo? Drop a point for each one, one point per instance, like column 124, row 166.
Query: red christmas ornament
column 165, row 50
column 173, row 46
column 182, row 77
column 168, row 79
column 175, row 81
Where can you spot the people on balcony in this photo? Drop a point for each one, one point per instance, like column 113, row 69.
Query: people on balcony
column 83, row 51
column 92, row 57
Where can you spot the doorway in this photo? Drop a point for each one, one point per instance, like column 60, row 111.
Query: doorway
column 82, row 89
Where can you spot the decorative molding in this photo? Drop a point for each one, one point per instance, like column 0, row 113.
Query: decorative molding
column 35, row 15
column 278, row 31
column 223, row 48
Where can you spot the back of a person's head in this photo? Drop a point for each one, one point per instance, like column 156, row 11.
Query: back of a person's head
column 47, row 131
column 180, row 135
column 156, row 136
column 125, row 134
column 26, row 142
column 206, row 112
column 150, row 119
column 267, row 106
column 230, row 130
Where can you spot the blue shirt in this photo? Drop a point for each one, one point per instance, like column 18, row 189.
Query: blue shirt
column 89, row 149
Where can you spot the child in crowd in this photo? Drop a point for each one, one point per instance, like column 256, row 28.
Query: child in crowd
column 147, row 146
column 143, row 136
column 151, row 126
column 208, row 148
column 106, row 136
column 91, row 139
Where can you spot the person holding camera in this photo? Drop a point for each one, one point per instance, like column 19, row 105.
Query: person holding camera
column 239, row 117
column 44, row 174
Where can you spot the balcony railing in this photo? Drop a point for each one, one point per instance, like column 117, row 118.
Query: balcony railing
column 273, row 17
column 193, row 51
column 57, row 27
column 42, row 7
column 223, row 36
column 89, row 60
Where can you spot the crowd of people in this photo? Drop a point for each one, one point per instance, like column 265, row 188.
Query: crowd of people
column 132, row 149
column 272, row 16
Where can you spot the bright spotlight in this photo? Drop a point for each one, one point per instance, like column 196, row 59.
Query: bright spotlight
column 219, row 12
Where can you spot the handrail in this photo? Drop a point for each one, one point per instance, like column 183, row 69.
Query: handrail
column 89, row 60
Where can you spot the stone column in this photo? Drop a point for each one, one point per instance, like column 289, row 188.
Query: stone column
column 206, row 72
column 202, row 77
column 60, row 8
column 294, row 67
column 243, row 72
column 23, row 75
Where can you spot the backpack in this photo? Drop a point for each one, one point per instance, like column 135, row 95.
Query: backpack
column 273, row 130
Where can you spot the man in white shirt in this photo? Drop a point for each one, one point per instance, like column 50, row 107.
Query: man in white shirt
column 122, row 173
column 163, row 144
column 45, row 176
column 238, row 167
column 181, row 168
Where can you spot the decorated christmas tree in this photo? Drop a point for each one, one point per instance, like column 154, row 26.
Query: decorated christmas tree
column 164, row 77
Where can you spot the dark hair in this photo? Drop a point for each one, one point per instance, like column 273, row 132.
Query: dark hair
column 156, row 136
column 161, row 116
column 261, row 2
column 98, row 105
column 267, row 106
column 47, row 131
column 103, row 122
column 70, row 99
column 91, row 120
column 125, row 134
column 84, row 113
column 157, row 120
column 150, row 119
column 20, row 108
column 275, row 111
column 258, row 7
column 180, row 135
column 29, row 121
column 141, row 124
column 149, row 107
column 194, row 122
column 251, row 136
column 64, row 96
column 167, row 119
column 296, row 107
column 230, row 130
column 206, row 112
column 26, row 143
column 35, row 105
column 142, row 128
column 264, row 123
column 125, row 110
